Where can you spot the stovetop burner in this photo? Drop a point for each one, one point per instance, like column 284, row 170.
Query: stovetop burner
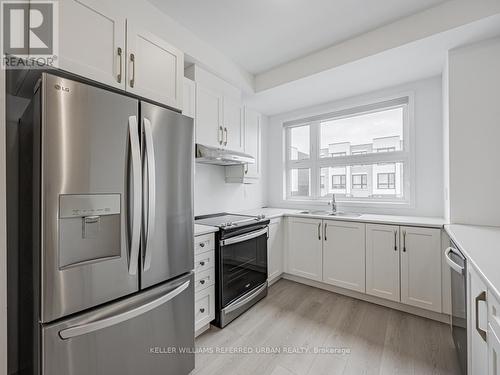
column 226, row 220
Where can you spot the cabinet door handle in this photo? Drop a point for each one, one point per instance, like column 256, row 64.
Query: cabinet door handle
column 132, row 61
column 202, row 282
column 404, row 241
column 202, row 263
column 479, row 298
column 225, row 139
column 202, row 244
column 202, row 310
column 221, row 135
column 246, row 168
column 395, row 240
column 324, row 232
column 319, row 231
column 119, row 75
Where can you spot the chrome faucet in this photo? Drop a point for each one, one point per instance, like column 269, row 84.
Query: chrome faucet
column 333, row 203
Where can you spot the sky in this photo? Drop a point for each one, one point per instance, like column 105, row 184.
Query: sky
column 357, row 130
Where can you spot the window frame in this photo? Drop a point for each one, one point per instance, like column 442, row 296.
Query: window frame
column 364, row 181
column 387, row 186
column 342, row 185
column 406, row 156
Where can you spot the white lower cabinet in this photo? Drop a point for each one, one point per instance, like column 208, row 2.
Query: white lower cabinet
column 275, row 249
column 477, row 324
column 397, row 263
column 344, row 254
column 204, row 279
column 421, row 267
column 493, row 352
column 305, row 250
column 382, row 261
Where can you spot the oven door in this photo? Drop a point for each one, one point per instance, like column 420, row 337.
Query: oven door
column 243, row 264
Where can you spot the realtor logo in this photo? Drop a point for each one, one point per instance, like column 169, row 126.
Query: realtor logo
column 29, row 34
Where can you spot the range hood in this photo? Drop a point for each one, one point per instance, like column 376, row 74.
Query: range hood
column 220, row 156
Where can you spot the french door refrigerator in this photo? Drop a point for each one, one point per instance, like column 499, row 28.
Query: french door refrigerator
column 106, row 231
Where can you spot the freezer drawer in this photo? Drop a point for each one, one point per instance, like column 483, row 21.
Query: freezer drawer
column 143, row 334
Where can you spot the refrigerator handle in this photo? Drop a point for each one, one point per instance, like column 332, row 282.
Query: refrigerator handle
column 151, row 182
column 135, row 150
column 99, row 324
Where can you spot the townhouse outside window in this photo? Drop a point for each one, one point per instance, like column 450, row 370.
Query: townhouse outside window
column 386, row 181
column 359, row 181
column 361, row 154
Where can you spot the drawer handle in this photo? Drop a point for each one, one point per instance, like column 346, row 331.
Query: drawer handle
column 202, row 310
column 202, row 263
column 202, row 244
column 202, row 282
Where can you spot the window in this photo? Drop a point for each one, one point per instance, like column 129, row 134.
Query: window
column 386, row 180
column 359, row 181
column 360, row 154
column 299, row 143
column 300, row 182
column 386, row 149
column 335, row 154
column 338, row 181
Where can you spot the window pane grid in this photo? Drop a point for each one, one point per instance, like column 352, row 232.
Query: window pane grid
column 364, row 162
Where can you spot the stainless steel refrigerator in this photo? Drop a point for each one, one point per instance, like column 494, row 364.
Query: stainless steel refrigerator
column 105, row 232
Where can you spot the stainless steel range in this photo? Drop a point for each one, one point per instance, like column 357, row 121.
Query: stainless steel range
column 240, row 263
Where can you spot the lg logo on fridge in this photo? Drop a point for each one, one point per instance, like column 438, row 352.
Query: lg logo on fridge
column 29, row 34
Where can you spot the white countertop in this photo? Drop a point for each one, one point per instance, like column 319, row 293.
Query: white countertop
column 481, row 246
column 271, row 212
column 204, row 229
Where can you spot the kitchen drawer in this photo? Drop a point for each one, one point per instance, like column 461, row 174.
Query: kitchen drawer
column 204, row 261
column 204, row 308
column 494, row 313
column 204, row 243
column 204, row 279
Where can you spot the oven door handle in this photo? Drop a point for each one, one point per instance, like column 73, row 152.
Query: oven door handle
column 243, row 237
column 454, row 266
column 238, row 304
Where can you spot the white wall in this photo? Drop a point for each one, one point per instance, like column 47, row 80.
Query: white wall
column 474, row 133
column 212, row 194
column 428, row 166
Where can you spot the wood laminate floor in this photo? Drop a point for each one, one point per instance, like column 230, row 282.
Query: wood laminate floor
column 296, row 317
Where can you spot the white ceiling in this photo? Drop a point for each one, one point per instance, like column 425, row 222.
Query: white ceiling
column 410, row 62
column 262, row 34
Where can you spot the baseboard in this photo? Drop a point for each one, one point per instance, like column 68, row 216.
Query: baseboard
column 274, row 280
column 202, row 330
column 444, row 318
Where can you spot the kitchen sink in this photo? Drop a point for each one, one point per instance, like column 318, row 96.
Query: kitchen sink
column 329, row 213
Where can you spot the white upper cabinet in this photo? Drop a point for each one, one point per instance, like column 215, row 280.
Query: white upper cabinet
column 209, row 129
column 275, row 249
column 98, row 43
column 155, row 69
column 233, row 124
column 92, row 41
column 219, row 112
column 253, row 142
column 421, row 267
column 189, row 98
column 382, row 261
column 344, row 254
column 304, row 256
